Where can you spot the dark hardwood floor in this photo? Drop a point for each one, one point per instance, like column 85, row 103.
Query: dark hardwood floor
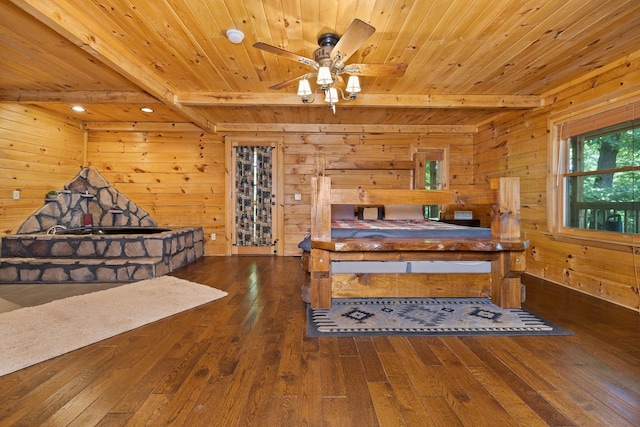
column 244, row 360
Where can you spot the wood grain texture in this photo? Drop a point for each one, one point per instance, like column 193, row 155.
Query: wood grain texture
column 466, row 62
column 38, row 152
column 245, row 360
column 519, row 145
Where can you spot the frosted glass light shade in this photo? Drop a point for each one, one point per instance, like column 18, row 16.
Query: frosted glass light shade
column 324, row 76
column 304, row 89
column 353, row 84
column 235, row 36
column 331, row 95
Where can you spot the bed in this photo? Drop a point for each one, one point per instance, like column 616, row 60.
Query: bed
column 441, row 260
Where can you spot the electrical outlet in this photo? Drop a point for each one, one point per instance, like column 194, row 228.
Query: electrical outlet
column 297, row 196
column 213, row 236
column 16, row 194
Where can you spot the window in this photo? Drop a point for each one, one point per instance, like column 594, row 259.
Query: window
column 598, row 172
column 431, row 174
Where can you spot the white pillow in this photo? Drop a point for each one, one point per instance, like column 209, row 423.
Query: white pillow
column 370, row 213
column 403, row 212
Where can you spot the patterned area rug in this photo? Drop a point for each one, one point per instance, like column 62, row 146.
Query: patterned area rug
column 424, row 316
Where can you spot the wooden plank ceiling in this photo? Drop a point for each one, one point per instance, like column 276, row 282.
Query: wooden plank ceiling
column 467, row 60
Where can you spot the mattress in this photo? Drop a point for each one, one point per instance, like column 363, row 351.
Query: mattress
column 425, row 229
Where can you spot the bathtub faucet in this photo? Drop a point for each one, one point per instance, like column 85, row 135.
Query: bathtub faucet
column 54, row 229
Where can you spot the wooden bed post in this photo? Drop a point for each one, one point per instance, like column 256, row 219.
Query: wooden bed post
column 320, row 279
column 505, row 221
column 321, row 208
column 320, row 230
column 505, row 226
column 506, row 291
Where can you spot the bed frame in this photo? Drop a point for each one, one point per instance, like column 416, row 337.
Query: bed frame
column 505, row 249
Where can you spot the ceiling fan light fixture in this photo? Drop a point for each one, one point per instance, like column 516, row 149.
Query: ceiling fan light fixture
column 304, row 88
column 330, row 64
column 353, row 84
column 331, row 96
column 235, row 36
column 324, row 76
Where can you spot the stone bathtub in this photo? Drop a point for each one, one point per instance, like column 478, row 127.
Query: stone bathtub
column 105, row 255
column 111, row 230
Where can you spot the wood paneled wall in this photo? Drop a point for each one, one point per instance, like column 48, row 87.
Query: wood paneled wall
column 178, row 177
column 38, row 152
column 302, row 154
column 516, row 145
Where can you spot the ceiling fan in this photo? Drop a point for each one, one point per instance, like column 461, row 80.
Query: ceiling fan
column 329, row 64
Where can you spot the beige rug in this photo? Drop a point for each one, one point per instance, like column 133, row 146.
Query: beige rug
column 33, row 334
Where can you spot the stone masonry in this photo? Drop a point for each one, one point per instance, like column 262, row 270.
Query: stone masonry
column 53, row 258
column 34, row 256
column 87, row 194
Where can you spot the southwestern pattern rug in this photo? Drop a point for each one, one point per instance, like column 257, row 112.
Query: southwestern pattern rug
column 424, row 316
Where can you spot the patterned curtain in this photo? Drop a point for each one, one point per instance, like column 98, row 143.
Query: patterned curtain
column 253, row 195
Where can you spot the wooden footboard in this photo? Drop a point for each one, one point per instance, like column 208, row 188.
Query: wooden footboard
column 505, row 250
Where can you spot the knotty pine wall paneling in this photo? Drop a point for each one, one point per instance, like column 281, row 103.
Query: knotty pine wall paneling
column 302, row 152
column 178, row 177
column 516, row 145
column 39, row 152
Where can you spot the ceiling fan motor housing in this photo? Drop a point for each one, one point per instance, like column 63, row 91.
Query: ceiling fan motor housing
column 328, row 39
column 327, row 42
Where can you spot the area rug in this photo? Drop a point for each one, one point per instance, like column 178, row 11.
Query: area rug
column 424, row 316
column 33, row 334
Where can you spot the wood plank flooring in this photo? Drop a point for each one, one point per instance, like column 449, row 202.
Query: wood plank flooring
column 244, row 360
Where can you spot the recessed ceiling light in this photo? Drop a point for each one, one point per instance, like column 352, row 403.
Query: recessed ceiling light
column 78, row 108
column 235, row 36
column 146, row 110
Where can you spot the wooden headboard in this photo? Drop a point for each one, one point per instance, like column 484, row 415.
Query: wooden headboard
column 503, row 195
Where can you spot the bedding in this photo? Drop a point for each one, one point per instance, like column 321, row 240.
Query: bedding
column 342, row 212
column 403, row 212
column 419, row 228
column 370, row 212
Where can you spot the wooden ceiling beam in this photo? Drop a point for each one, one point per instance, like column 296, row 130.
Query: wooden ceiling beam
column 276, row 99
column 73, row 25
column 204, row 99
column 88, row 97
column 142, row 127
column 282, row 128
column 342, row 129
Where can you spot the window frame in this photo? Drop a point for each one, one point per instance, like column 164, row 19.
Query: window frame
column 422, row 155
column 558, row 164
column 440, row 154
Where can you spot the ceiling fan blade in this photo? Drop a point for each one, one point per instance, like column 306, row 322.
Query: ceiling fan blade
column 378, row 70
column 286, row 54
column 356, row 34
column 292, row 81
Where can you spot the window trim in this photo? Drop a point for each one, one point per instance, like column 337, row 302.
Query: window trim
column 557, row 153
column 440, row 153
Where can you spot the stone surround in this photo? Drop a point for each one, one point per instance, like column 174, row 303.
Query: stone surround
column 87, row 194
column 33, row 256
column 52, row 258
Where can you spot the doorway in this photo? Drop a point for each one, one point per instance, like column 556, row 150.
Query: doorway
column 255, row 222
